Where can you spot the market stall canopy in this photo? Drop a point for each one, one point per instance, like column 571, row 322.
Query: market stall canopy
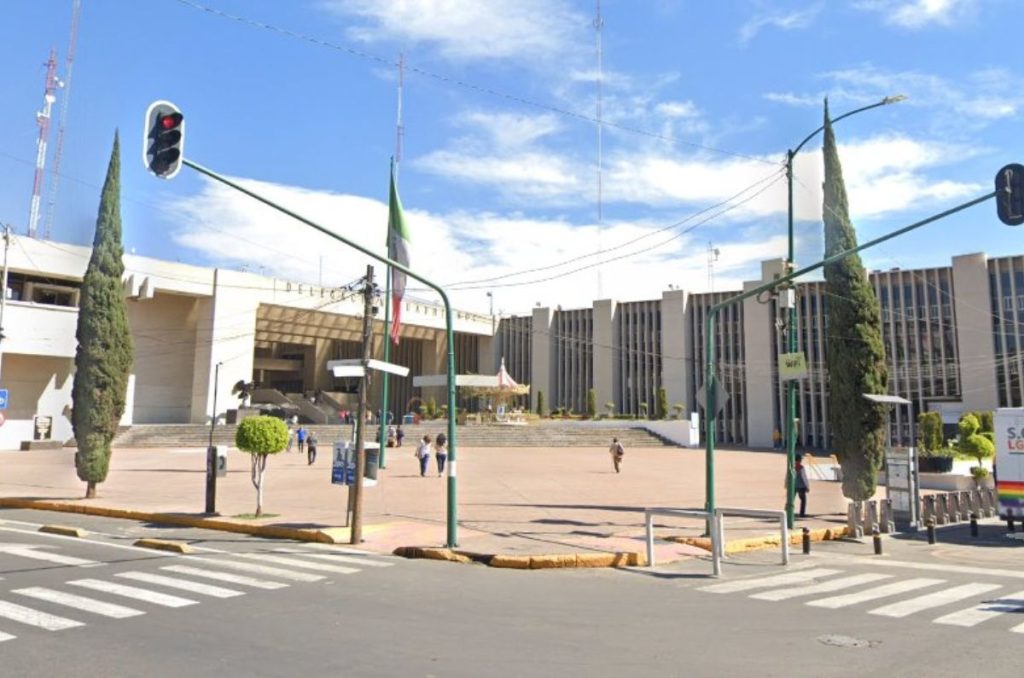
column 478, row 384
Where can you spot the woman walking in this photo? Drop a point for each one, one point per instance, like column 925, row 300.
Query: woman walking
column 441, row 453
column 423, row 454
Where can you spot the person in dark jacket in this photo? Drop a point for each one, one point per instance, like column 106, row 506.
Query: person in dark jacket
column 803, row 486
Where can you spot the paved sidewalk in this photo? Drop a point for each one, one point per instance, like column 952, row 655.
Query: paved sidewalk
column 512, row 501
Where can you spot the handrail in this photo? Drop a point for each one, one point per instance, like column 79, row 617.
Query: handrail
column 719, row 523
column 649, row 513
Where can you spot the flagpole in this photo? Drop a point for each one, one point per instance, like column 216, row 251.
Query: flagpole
column 387, row 356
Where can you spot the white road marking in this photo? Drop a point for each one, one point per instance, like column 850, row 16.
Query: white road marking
column 823, row 587
column 258, row 569
column 874, row 594
column 83, row 540
column 133, row 592
column 296, row 562
column 26, row 615
column 934, row 567
column 6, row 636
column 226, row 576
column 338, row 558
column 802, row 576
column 80, row 602
column 929, row 600
column 973, row 616
column 33, row 552
column 183, row 584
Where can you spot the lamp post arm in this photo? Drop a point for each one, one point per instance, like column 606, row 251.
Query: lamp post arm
column 883, row 102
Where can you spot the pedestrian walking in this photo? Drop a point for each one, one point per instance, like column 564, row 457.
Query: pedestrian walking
column 300, row 437
column 441, row 453
column 617, row 452
column 311, row 448
column 399, row 436
column 803, row 486
column 777, row 439
column 423, row 454
column 291, row 439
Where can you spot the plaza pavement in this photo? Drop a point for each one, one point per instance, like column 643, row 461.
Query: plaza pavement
column 512, row 501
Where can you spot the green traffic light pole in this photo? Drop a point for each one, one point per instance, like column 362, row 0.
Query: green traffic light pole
column 792, row 340
column 452, row 540
column 710, row 385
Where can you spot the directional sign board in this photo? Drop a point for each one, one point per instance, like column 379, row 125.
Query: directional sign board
column 792, row 366
column 3, row 398
column 721, row 397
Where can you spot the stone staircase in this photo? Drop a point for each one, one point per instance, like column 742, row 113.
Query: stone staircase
column 547, row 434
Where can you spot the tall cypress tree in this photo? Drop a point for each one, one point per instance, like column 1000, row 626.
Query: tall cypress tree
column 104, row 356
column 855, row 355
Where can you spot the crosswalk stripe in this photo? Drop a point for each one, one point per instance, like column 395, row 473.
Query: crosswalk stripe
column 133, row 592
column 338, row 558
column 183, row 584
column 26, row 615
column 873, row 594
column 296, row 562
column 823, row 587
column 929, row 600
column 973, row 616
column 802, row 576
column 56, row 558
column 258, row 569
column 6, row 636
column 225, row 576
column 80, row 602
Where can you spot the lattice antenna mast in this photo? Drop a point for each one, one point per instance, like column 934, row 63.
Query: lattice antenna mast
column 43, row 120
column 399, row 128
column 598, row 26
column 58, row 152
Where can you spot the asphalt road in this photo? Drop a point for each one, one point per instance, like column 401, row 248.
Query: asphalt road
column 279, row 608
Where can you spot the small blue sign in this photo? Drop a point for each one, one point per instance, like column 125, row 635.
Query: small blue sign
column 3, row 398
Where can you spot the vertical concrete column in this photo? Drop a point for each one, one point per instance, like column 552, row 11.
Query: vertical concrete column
column 758, row 326
column 314, row 364
column 972, row 305
column 488, row 359
column 676, row 370
column 435, row 361
column 227, row 335
column 605, row 342
column 542, row 349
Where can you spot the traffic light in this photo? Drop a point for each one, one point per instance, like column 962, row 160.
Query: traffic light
column 164, row 143
column 1010, row 194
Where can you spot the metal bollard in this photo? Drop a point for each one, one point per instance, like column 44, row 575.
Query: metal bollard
column 930, row 525
column 974, row 525
column 877, row 539
column 807, row 541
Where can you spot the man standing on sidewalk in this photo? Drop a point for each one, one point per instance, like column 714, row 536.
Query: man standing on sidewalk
column 617, row 452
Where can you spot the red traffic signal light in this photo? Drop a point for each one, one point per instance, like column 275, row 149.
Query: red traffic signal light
column 164, row 140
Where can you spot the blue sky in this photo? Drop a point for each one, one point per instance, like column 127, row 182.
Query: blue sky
column 499, row 166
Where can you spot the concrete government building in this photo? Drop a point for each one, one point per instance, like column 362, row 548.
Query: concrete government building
column 951, row 335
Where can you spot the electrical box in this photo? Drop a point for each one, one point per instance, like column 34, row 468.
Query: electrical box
column 787, row 298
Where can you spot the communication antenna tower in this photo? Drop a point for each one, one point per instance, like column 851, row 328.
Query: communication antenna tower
column 399, row 128
column 58, row 152
column 598, row 25
column 43, row 120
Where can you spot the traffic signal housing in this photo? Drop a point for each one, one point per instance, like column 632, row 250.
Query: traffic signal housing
column 164, row 144
column 1010, row 194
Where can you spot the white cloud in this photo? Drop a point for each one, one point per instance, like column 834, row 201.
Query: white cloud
column 468, row 29
column 786, row 21
column 529, row 175
column 510, row 130
column 915, row 14
column 231, row 230
column 677, row 109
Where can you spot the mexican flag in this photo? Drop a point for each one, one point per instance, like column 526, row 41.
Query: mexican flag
column 398, row 250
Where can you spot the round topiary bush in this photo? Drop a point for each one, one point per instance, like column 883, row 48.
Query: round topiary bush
column 261, row 437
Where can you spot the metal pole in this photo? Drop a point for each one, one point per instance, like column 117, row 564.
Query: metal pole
column 387, row 358
column 3, row 291
column 211, row 452
column 364, row 386
column 709, row 344
column 791, row 347
column 452, row 504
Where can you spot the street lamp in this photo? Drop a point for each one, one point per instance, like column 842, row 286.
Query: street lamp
column 490, row 297
column 791, row 336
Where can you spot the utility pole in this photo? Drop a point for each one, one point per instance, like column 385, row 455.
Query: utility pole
column 364, row 387
column 3, row 291
column 211, row 451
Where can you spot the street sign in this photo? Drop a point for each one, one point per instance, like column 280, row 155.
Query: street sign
column 3, row 398
column 792, row 366
column 721, row 397
column 343, row 467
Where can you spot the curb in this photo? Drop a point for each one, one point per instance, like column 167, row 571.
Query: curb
column 326, row 535
column 538, row 562
column 768, row 541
